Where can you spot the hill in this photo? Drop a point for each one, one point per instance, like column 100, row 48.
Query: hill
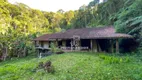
column 19, row 23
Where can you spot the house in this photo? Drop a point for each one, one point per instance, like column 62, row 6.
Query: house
column 86, row 39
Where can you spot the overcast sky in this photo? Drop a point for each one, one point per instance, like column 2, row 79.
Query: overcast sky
column 53, row 5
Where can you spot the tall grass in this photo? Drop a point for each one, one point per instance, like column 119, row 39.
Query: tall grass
column 75, row 66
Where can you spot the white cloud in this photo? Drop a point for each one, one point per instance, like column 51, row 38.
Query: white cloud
column 53, row 5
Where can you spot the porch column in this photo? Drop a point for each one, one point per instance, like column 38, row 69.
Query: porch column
column 79, row 45
column 98, row 46
column 91, row 45
column 71, row 45
column 117, row 46
column 112, row 47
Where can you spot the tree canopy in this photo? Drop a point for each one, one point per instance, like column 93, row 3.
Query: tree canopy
column 19, row 23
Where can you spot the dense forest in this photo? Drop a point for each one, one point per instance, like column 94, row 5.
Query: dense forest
column 19, row 24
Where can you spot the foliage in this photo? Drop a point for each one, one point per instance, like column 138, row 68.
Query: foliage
column 19, row 24
column 114, row 59
column 129, row 20
column 93, row 3
column 18, row 28
column 53, row 47
column 76, row 66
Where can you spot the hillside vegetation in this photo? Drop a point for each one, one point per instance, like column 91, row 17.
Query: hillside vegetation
column 75, row 66
column 19, row 24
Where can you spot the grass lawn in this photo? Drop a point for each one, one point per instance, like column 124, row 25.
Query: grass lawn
column 75, row 66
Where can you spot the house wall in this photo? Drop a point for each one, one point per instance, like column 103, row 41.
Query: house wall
column 44, row 44
column 96, row 47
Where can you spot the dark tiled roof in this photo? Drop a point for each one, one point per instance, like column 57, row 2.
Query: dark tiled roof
column 86, row 33
column 42, row 38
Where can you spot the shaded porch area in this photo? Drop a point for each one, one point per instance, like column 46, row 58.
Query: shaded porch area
column 94, row 45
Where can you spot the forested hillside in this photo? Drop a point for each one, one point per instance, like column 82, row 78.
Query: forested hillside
column 19, row 24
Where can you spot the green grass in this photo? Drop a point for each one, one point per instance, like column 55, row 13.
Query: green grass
column 75, row 66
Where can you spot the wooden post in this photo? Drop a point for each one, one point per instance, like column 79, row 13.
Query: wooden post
column 71, row 45
column 80, row 45
column 112, row 47
column 98, row 46
column 94, row 46
column 117, row 46
column 91, row 45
